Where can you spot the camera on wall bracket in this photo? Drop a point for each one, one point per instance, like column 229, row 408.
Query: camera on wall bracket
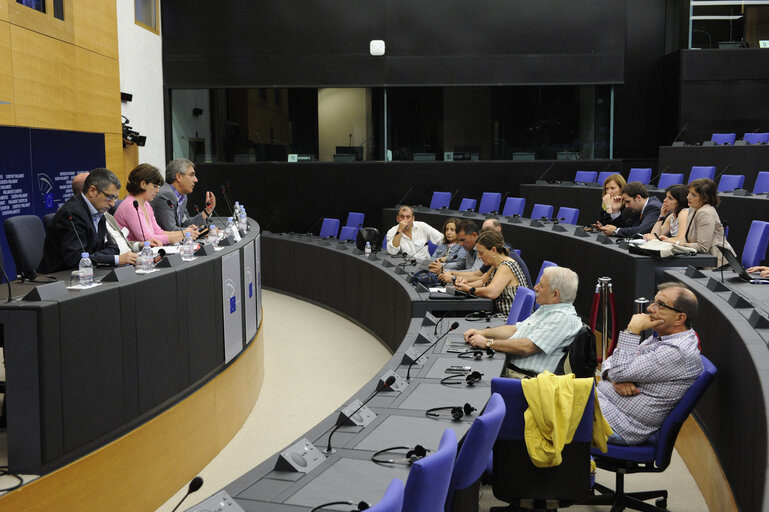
column 131, row 136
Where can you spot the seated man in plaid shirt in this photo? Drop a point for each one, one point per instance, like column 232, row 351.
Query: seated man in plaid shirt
column 642, row 382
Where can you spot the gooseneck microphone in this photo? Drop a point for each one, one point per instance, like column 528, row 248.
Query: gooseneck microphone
column 82, row 247
column 178, row 227
column 227, row 199
column 715, row 179
column 274, row 216
column 663, row 171
column 453, row 327
column 389, row 382
column 195, row 484
column 447, row 313
column 139, row 217
column 545, row 173
column 404, row 196
column 309, row 231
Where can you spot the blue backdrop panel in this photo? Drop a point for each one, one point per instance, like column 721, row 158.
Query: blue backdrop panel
column 36, row 169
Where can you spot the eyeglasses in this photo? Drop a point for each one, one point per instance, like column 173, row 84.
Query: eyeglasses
column 661, row 304
column 110, row 197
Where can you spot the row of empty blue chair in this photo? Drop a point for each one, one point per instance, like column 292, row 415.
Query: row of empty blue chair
column 729, row 139
column 330, row 227
column 726, row 183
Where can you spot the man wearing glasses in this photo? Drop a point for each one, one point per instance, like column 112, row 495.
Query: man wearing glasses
column 170, row 203
column 79, row 226
column 642, row 382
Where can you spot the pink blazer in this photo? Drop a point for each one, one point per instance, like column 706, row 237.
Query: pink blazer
column 127, row 217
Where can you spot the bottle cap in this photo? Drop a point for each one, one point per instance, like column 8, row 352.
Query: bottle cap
column 187, row 235
column 84, row 255
column 146, row 243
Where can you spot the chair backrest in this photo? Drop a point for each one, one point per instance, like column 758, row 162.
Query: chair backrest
column 392, row 501
column 756, row 138
column 428, row 483
column 514, row 206
column 431, row 247
column 112, row 210
column 723, row 138
column 522, row 305
column 569, row 215
column 580, row 357
column 440, row 200
column 669, row 178
column 541, row 210
column 666, row 435
column 755, row 244
column 603, row 175
column 348, row 233
column 474, row 454
column 762, row 183
column 702, row 171
column 586, row 176
column 729, row 182
column 515, row 476
column 490, row 202
column 26, row 237
column 640, row 174
column 329, row 228
column 545, row 264
column 467, row 204
column 48, row 221
column 355, row 219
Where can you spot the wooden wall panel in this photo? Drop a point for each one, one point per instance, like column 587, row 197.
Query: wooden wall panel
column 113, row 155
column 96, row 27
column 44, row 81
column 4, row 10
column 44, row 23
column 7, row 112
column 97, row 92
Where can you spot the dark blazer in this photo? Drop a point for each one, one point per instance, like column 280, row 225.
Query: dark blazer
column 168, row 216
column 624, row 216
column 641, row 222
column 62, row 248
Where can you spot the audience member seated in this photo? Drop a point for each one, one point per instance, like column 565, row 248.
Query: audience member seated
column 535, row 344
column 495, row 225
column 467, row 234
column 764, row 270
column 704, row 230
column 502, row 279
column 410, row 236
column 644, row 212
column 612, row 208
column 180, row 181
column 643, row 382
column 673, row 214
column 143, row 185
column 81, row 221
column 450, row 249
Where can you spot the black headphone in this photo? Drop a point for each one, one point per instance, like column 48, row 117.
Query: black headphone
column 470, row 379
column 457, row 411
column 412, row 455
column 477, row 354
column 362, row 505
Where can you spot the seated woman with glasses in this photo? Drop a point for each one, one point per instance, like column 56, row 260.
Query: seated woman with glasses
column 673, row 214
column 502, row 280
column 135, row 212
column 703, row 230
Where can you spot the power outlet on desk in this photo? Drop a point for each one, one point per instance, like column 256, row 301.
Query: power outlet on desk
column 219, row 502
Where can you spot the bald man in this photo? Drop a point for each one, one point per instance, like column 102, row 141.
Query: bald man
column 77, row 183
column 643, row 381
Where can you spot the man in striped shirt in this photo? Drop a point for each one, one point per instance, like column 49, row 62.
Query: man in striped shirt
column 643, row 382
column 536, row 344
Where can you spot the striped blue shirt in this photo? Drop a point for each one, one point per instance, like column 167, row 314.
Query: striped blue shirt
column 551, row 328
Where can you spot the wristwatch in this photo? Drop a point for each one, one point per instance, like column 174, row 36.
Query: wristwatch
column 472, row 290
column 489, row 342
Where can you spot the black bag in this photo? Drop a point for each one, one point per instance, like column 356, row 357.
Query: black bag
column 580, row 356
column 425, row 277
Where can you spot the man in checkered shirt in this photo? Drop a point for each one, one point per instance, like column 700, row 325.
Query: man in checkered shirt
column 643, row 382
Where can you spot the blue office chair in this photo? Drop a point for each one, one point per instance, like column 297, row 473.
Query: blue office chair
column 603, row 175
column 515, row 478
column 355, row 219
column 640, row 174
column 428, row 483
column 755, row 244
column 729, row 182
column 723, row 138
column 545, row 264
column 702, row 171
column 392, row 500
column 490, row 202
column 651, row 457
column 756, row 138
column 473, row 456
column 431, row 247
column 467, row 205
column 667, row 179
column 440, row 200
column 569, row 215
column 348, row 233
column 762, row 183
column 586, row 176
column 26, row 236
column 542, row 210
column 514, row 206
column 329, row 228
column 522, row 305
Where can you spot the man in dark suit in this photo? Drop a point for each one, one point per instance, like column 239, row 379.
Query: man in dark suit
column 645, row 212
column 79, row 226
column 180, row 181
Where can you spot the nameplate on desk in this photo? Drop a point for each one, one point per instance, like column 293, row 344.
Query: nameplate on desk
column 424, row 337
column 737, row 302
column 513, row 219
column 387, row 264
column 715, row 285
column 757, row 321
column 399, row 270
column 49, row 291
column 536, row 224
column 605, row 239
column 580, row 232
column 399, row 385
column 429, row 319
column 349, row 417
column 170, row 261
column 558, row 228
column 207, row 250
column 120, row 274
column 301, row 457
column 694, row 272
column 227, row 242
column 413, row 356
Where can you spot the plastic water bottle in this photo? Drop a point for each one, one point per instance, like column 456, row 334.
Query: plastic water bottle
column 236, row 209
column 86, row 270
column 367, row 250
column 213, row 235
column 243, row 225
column 146, row 257
column 187, row 250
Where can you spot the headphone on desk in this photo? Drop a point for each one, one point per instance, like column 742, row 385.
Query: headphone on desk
column 412, row 455
column 362, row 505
column 457, row 411
column 477, row 354
column 470, row 379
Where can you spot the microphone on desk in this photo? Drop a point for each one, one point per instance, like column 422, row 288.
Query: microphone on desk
column 715, row 179
column 224, row 190
column 404, row 196
column 447, row 313
column 139, row 217
column 82, row 248
column 389, row 382
column 452, row 197
column 546, row 171
column 195, row 484
column 658, row 174
column 170, row 205
column 309, row 231
column 159, row 256
column 453, row 327
column 214, row 215
column 679, row 133
column 501, row 203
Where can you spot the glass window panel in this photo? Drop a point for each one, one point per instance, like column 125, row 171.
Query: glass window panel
column 38, row 5
column 145, row 13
